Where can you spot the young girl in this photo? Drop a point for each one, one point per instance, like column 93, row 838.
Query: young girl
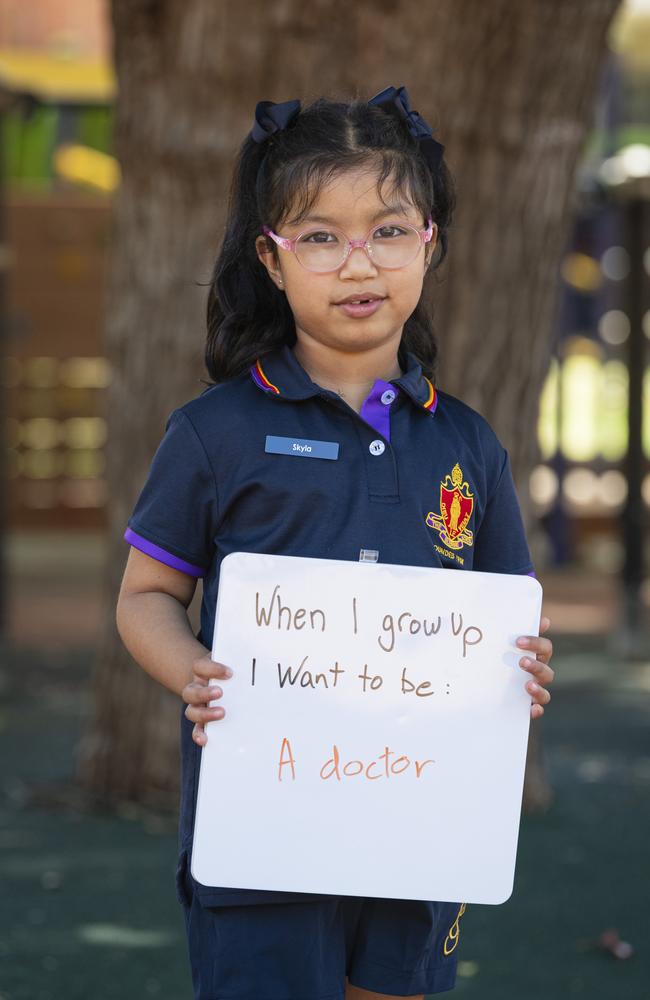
column 317, row 333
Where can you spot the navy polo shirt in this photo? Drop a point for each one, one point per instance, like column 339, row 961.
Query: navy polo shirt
column 270, row 462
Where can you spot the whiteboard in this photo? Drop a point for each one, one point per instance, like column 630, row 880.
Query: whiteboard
column 375, row 734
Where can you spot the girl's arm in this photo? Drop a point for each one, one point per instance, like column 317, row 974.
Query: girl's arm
column 151, row 618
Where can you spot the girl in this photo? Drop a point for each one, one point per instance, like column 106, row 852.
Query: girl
column 317, row 332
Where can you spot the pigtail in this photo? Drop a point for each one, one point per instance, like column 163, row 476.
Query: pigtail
column 443, row 207
column 247, row 316
column 418, row 337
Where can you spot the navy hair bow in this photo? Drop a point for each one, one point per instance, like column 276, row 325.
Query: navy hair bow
column 396, row 100
column 271, row 117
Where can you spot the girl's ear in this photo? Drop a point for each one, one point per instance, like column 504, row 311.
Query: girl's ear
column 269, row 260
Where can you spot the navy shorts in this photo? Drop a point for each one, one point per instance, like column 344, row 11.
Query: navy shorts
column 304, row 950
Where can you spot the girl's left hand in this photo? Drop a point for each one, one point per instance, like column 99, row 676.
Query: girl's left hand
column 542, row 649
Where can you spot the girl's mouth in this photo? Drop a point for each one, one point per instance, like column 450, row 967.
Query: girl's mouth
column 365, row 307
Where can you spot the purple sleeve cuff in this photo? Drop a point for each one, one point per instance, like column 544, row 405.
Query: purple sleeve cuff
column 156, row 552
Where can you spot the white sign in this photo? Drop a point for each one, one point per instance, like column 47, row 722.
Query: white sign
column 375, row 733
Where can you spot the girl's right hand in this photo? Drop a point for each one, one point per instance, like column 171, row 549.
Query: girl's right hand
column 198, row 693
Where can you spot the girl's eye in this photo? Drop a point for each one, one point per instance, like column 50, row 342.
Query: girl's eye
column 389, row 232
column 322, row 236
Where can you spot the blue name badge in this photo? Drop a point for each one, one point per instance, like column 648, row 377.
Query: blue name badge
column 301, row 447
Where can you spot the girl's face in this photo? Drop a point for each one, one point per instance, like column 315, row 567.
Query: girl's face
column 350, row 203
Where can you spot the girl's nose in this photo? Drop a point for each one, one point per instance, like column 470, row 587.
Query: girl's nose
column 358, row 262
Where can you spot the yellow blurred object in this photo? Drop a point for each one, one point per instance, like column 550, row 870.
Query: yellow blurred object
column 629, row 35
column 584, row 346
column 85, row 373
column 56, row 79
column 88, row 166
column 580, row 391
column 547, row 425
column 582, row 272
column 85, row 432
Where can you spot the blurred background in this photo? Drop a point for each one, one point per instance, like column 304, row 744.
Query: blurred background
column 88, row 906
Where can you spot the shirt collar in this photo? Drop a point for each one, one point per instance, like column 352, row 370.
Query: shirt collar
column 281, row 374
column 416, row 385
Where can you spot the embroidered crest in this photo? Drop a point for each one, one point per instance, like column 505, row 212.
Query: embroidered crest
column 456, row 505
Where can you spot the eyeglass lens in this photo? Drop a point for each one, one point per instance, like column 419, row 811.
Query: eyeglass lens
column 390, row 246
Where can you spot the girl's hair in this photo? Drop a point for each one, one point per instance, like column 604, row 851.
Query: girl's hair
column 247, row 315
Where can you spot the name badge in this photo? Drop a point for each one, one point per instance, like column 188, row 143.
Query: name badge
column 301, row 447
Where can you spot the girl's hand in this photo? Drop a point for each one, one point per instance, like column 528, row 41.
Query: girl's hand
column 538, row 667
column 198, row 693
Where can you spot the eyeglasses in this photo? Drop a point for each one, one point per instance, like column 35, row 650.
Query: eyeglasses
column 391, row 246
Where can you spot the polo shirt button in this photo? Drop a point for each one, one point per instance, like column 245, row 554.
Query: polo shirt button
column 388, row 397
column 377, row 447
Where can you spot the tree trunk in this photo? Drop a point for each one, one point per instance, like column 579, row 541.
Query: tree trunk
column 510, row 87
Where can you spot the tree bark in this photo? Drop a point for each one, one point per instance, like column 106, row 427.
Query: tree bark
column 510, row 86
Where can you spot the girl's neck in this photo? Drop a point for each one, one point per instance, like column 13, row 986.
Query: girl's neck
column 351, row 376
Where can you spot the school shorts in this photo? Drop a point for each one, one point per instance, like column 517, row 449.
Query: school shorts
column 304, row 950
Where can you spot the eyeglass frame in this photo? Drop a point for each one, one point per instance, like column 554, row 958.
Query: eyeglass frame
column 286, row 244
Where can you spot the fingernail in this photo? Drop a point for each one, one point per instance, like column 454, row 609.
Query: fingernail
column 526, row 661
column 228, row 672
column 523, row 642
column 534, row 687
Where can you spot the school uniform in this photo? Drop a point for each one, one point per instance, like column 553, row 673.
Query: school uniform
column 270, row 462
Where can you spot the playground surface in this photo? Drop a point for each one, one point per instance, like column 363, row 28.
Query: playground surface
column 88, row 909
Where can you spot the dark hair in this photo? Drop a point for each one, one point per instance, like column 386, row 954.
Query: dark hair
column 247, row 316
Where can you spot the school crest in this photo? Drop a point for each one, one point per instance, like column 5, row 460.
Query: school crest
column 456, row 505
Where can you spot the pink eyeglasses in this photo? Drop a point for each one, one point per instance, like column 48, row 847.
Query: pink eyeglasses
column 391, row 245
